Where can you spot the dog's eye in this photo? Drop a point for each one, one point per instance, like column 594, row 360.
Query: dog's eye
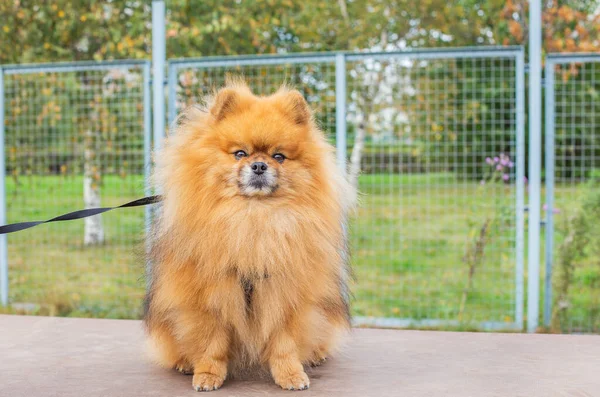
column 279, row 157
column 239, row 154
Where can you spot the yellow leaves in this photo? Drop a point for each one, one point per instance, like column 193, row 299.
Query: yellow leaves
column 129, row 42
column 570, row 45
column 61, row 14
column 582, row 32
column 46, row 46
column 225, row 44
column 120, row 46
column 566, row 13
column 515, row 30
column 437, row 127
column 6, row 29
column 83, row 18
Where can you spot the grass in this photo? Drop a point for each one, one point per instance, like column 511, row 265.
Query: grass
column 49, row 265
column 409, row 238
column 581, row 308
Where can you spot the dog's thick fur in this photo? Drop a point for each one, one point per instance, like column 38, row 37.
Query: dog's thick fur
column 243, row 276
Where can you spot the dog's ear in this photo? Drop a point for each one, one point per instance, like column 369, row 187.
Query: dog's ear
column 297, row 107
column 225, row 103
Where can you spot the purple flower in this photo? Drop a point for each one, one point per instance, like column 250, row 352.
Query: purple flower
column 499, row 167
column 554, row 210
column 525, row 180
column 496, row 159
column 511, row 164
column 505, row 177
column 488, row 160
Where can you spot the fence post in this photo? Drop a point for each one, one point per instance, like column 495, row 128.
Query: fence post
column 147, row 143
column 171, row 94
column 520, row 184
column 3, row 245
column 340, row 110
column 549, row 105
column 158, row 63
column 535, row 163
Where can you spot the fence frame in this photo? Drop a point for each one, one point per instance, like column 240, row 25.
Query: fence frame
column 3, row 242
column 66, row 67
column 552, row 60
column 340, row 59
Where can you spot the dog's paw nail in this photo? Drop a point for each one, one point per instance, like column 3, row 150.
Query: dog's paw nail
column 318, row 361
column 297, row 381
column 184, row 369
column 205, row 381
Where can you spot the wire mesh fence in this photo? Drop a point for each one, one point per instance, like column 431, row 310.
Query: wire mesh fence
column 434, row 142
column 434, row 136
column 190, row 81
column 572, row 204
column 435, row 236
column 76, row 135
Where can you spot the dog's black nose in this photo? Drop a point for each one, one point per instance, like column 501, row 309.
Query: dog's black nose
column 259, row 167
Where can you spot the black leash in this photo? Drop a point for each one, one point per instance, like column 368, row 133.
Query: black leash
column 15, row 227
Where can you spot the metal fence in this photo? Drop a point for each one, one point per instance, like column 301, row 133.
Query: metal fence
column 75, row 135
column 572, row 279
column 438, row 138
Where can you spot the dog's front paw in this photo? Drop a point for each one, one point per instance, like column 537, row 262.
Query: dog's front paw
column 205, row 381
column 295, row 381
column 184, row 368
column 317, row 361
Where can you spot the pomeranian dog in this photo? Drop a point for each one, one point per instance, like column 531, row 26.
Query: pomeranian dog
column 249, row 256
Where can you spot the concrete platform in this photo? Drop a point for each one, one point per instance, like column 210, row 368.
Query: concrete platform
column 41, row 356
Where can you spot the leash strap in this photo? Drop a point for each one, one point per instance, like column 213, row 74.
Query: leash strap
column 15, row 227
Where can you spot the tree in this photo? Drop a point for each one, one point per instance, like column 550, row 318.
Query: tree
column 568, row 25
column 67, row 30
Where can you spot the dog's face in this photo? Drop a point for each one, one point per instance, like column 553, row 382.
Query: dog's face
column 258, row 175
column 261, row 146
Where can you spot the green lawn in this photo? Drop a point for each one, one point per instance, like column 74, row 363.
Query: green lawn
column 409, row 236
column 582, row 306
column 50, row 266
column 409, row 241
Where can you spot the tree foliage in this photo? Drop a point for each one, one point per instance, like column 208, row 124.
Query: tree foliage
column 64, row 30
column 568, row 25
column 34, row 31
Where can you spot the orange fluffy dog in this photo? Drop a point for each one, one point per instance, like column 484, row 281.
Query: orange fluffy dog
column 249, row 255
